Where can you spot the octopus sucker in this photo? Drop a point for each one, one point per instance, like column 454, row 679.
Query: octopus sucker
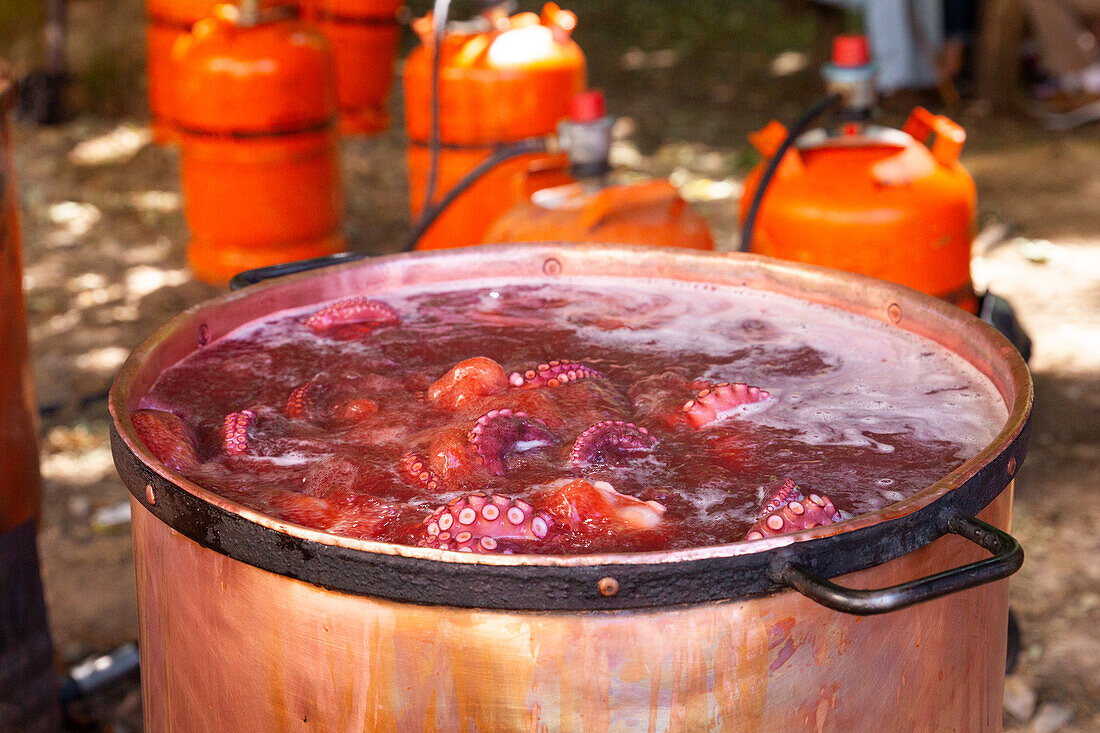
column 610, row 441
column 552, row 374
column 357, row 310
column 710, row 403
column 787, row 509
column 167, row 438
column 500, row 433
column 338, row 401
column 296, row 401
column 477, row 523
column 414, row 468
column 235, row 431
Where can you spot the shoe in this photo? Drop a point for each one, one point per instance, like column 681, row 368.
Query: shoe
column 1066, row 111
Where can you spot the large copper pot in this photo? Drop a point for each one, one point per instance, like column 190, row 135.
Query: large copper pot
column 250, row 623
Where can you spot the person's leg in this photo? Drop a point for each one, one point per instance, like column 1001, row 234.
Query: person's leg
column 905, row 36
column 958, row 28
column 1069, row 49
column 1065, row 44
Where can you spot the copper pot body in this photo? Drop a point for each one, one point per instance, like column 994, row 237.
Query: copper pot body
column 226, row 646
column 229, row 646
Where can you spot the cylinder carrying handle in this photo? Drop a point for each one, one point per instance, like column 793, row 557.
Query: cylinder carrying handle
column 1006, row 560
column 949, row 135
column 617, row 199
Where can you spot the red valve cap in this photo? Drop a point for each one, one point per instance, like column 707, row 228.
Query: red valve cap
column 851, row 50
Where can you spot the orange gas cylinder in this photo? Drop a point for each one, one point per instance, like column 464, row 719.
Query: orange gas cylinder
column 166, row 21
column 496, row 87
column 651, row 212
column 363, row 35
column 257, row 124
column 872, row 200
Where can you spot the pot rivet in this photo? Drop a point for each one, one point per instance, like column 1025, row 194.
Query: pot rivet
column 1011, row 466
column 204, row 334
column 149, row 495
column 894, row 311
column 552, row 266
column 608, row 587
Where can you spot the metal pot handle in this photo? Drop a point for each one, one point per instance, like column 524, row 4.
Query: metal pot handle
column 1007, row 558
column 258, row 275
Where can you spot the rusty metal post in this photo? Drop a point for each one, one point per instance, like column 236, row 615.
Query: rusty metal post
column 28, row 683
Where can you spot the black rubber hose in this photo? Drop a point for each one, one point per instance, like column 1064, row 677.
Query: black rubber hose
column 439, row 20
column 431, row 213
column 258, row 275
column 818, row 108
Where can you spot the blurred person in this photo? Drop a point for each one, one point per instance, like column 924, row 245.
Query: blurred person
column 905, row 37
column 1067, row 33
column 959, row 24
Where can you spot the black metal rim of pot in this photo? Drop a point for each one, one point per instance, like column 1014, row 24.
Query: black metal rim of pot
column 801, row 561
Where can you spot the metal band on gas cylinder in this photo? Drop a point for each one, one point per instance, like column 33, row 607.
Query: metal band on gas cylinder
column 304, row 129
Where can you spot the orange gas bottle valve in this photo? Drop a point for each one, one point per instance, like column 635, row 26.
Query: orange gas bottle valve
column 585, row 135
column 851, row 73
column 257, row 125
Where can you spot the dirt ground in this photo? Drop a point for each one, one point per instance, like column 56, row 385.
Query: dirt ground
column 104, row 248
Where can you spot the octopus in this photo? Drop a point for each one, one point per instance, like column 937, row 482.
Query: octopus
column 578, row 502
column 446, row 460
column 552, row 374
column 264, row 432
column 500, row 433
column 334, row 402
column 475, row 423
column 787, row 509
column 466, row 383
column 235, row 431
column 167, row 438
column 495, row 523
column 351, row 318
column 713, row 402
column 610, row 441
column 478, row 523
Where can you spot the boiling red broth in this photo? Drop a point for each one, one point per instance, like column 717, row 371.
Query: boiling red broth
column 858, row 411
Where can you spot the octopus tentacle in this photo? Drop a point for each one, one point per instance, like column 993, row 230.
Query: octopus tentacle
column 609, row 440
column 414, row 468
column 476, row 523
column 552, row 374
column 364, row 313
column 167, row 438
column 500, row 433
column 787, row 509
column 329, row 401
column 300, row 400
column 235, row 431
column 711, row 403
